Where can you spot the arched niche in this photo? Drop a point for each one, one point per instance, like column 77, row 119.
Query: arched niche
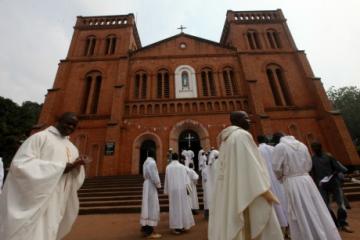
column 185, row 82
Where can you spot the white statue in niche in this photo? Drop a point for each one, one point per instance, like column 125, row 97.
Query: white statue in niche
column 185, row 81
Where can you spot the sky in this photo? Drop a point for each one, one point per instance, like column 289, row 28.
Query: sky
column 36, row 34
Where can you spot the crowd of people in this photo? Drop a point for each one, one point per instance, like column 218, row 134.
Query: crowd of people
column 266, row 191
column 275, row 190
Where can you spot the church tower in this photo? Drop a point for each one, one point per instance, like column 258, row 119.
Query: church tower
column 90, row 82
column 281, row 83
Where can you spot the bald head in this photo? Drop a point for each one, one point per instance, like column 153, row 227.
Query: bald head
column 240, row 119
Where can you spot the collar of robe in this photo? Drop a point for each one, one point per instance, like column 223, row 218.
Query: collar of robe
column 56, row 132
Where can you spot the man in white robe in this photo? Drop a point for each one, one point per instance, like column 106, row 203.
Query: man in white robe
column 176, row 187
column 1, row 174
column 189, row 156
column 242, row 202
column 201, row 159
column 193, row 196
column 150, row 208
column 213, row 156
column 204, row 179
column 309, row 217
column 276, row 187
column 39, row 199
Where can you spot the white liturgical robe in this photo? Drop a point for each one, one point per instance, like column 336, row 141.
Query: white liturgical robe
column 189, row 156
column 1, row 174
column 204, row 178
column 150, row 209
column 193, row 196
column 39, row 201
column 201, row 159
column 277, row 188
column 176, row 183
column 238, row 210
column 309, row 217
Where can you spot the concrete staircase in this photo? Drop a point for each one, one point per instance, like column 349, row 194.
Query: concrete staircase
column 119, row 194
column 122, row 194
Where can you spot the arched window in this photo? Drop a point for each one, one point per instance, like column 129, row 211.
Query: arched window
column 140, row 85
column 110, row 45
column 162, row 90
column 207, row 82
column 229, row 82
column 91, row 93
column 90, row 46
column 273, row 38
column 253, row 39
column 278, row 85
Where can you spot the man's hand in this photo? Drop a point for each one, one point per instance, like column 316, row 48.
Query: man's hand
column 270, row 197
column 81, row 160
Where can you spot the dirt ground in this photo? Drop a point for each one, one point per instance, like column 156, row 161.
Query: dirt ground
column 126, row 226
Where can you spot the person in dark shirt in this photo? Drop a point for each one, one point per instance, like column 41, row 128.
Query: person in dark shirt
column 325, row 165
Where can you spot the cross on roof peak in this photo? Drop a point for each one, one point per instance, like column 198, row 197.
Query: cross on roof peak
column 181, row 28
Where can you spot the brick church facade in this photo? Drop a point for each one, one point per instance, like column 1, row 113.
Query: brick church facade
column 178, row 92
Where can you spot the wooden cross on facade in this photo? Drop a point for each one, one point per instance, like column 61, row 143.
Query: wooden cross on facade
column 181, row 28
column 189, row 138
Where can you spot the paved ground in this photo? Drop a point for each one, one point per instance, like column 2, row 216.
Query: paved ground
column 126, row 226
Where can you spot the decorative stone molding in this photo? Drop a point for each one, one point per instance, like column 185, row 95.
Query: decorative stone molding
column 188, row 124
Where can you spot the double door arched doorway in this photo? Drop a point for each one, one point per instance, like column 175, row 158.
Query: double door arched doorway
column 188, row 140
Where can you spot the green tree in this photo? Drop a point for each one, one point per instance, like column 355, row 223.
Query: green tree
column 15, row 125
column 347, row 100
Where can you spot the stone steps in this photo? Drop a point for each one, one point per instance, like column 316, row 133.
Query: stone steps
column 122, row 194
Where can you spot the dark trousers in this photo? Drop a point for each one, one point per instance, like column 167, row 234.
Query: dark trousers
column 338, row 196
column 147, row 230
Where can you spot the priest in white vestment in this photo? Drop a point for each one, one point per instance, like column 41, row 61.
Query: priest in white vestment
column 201, row 159
column 242, row 201
column 177, row 186
column 277, row 188
column 309, row 217
column 189, row 157
column 213, row 156
column 193, row 196
column 39, row 199
column 204, row 178
column 1, row 174
column 150, row 208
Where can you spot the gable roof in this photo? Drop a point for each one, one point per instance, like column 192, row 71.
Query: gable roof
column 216, row 44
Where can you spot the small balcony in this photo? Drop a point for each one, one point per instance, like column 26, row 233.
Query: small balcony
column 193, row 106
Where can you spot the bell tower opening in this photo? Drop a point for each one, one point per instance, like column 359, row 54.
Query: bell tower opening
column 189, row 140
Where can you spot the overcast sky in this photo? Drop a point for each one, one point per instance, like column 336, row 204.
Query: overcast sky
column 35, row 34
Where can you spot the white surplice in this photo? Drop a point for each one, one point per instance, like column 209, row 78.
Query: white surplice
column 1, row 174
column 204, row 178
column 194, row 177
column 201, row 160
column 39, row 201
column 277, row 188
column 308, row 215
column 189, row 157
column 241, row 179
column 150, row 209
column 175, row 186
column 213, row 156
column 210, row 183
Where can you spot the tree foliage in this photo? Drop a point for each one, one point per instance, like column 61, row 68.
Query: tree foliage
column 15, row 125
column 347, row 100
